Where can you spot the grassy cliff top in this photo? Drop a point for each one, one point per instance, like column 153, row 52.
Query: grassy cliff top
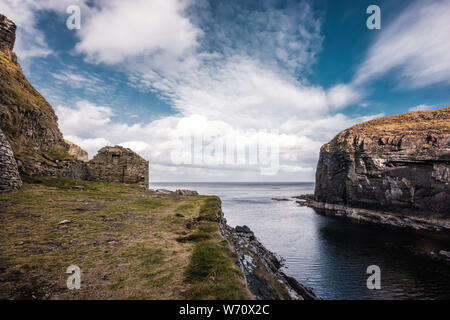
column 129, row 243
column 415, row 123
column 16, row 90
column 434, row 120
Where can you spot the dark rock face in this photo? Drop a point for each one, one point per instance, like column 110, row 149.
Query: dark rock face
column 9, row 174
column 118, row 164
column 397, row 164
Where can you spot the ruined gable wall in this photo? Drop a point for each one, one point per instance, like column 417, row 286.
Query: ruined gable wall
column 118, row 164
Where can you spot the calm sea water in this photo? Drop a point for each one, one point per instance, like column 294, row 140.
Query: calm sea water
column 328, row 254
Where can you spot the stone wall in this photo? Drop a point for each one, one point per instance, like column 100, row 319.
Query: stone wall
column 118, row 164
column 9, row 174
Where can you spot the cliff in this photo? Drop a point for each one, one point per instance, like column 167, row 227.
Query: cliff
column 8, row 38
column 398, row 164
column 27, row 119
column 31, row 127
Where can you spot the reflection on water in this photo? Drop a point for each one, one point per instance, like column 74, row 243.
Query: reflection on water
column 328, row 254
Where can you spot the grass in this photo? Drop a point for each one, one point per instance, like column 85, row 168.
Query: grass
column 212, row 272
column 124, row 239
column 16, row 90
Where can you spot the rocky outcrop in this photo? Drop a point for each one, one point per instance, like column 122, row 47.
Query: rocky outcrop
column 9, row 174
column 261, row 268
column 30, row 125
column 76, row 152
column 118, row 164
column 398, row 164
column 8, row 38
column 26, row 118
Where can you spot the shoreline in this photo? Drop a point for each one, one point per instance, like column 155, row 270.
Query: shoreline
column 261, row 268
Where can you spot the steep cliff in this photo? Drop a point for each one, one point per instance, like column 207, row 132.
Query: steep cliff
column 7, row 38
column 27, row 119
column 398, row 164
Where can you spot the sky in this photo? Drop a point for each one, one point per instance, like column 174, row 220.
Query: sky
column 230, row 90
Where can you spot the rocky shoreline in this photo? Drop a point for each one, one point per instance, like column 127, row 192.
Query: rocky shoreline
column 261, row 268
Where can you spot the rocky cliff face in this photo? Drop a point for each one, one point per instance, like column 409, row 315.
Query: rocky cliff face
column 28, row 120
column 8, row 38
column 398, row 164
column 76, row 152
column 30, row 126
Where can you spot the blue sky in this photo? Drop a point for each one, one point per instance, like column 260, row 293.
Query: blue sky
column 143, row 73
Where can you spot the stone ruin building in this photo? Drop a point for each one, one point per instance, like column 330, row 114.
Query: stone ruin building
column 118, row 164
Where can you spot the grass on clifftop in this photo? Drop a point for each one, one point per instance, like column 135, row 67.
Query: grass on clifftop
column 16, row 90
column 129, row 243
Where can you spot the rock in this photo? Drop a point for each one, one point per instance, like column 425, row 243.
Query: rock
column 78, row 187
column 261, row 268
column 64, row 222
column 8, row 38
column 281, row 199
column 243, row 229
column 164, row 191
column 28, row 120
column 77, row 152
column 183, row 192
column 398, row 164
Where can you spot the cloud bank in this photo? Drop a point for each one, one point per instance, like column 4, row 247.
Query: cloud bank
column 228, row 68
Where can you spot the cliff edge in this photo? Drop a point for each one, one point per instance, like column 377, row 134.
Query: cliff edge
column 398, row 164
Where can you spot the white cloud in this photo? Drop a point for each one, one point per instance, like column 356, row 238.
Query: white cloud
column 30, row 40
column 342, row 95
column 415, row 44
column 87, row 118
column 120, row 30
column 422, row 107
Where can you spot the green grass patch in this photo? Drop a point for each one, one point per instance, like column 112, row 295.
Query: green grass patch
column 210, row 209
column 152, row 203
column 211, row 273
column 61, row 183
column 185, row 207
